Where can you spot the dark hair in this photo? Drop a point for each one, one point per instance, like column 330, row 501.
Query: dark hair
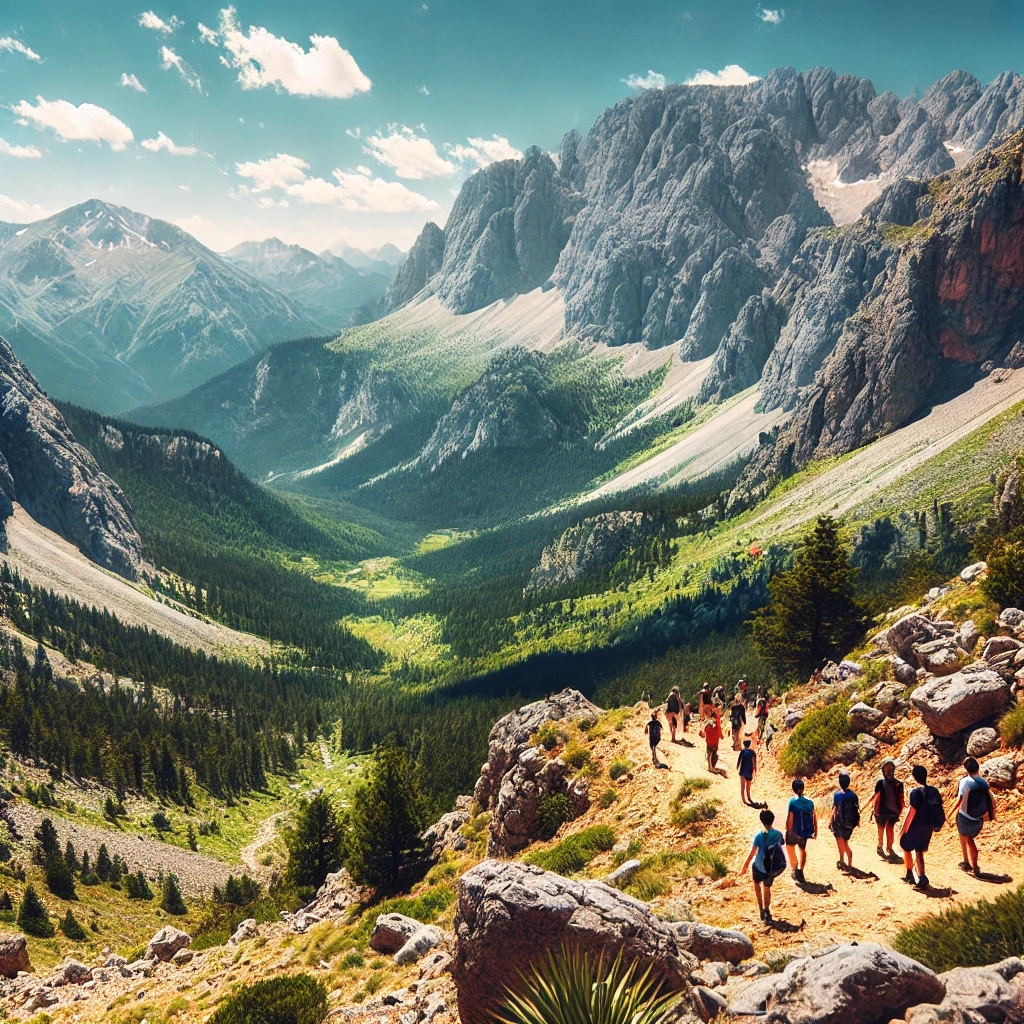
column 971, row 765
column 798, row 785
column 920, row 773
column 746, row 743
column 844, row 780
column 767, row 818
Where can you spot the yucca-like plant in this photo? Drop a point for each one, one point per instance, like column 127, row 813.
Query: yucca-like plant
column 573, row 987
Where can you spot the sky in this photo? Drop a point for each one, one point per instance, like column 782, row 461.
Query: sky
column 319, row 122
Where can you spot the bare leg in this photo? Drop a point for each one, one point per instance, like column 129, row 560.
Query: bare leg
column 890, row 838
column 759, row 895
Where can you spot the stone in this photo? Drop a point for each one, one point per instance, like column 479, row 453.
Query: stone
column 709, row 943
column 166, row 943
column 707, row 1003
column 999, row 772
column 183, row 956
column 248, row 929
column 510, row 914
column 971, row 572
column 981, row 990
column 958, row 701
column 43, row 998
column 982, row 742
column 114, row 960
column 434, row 965
column 911, row 631
column 904, row 672
column 890, row 699
column 71, row 972
column 967, row 635
column 1010, row 618
column 849, row 668
column 1000, row 645
column 392, row 931
column 421, row 942
column 446, row 833
column 793, row 719
column 621, row 876
column 13, row 954
column 941, row 657
column 864, row 718
column 857, row 751
column 333, row 898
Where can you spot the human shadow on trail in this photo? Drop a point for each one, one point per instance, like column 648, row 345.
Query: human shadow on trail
column 779, row 925
column 988, row 876
column 853, row 872
column 816, row 888
column 935, row 893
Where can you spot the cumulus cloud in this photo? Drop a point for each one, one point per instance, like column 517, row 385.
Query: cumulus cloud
column 148, row 19
column 131, row 82
column 17, row 211
column 410, row 153
column 207, row 35
column 263, row 59
column 192, row 224
column 267, row 202
column 19, row 152
column 9, row 44
column 485, row 151
column 731, row 74
column 652, row 80
column 169, row 59
column 771, row 15
column 423, row 90
column 162, row 142
column 278, row 171
column 86, row 122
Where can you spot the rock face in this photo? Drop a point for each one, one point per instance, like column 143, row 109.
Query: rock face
column 167, row 942
column 56, row 480
column 864, row 718
column 392, row 931
column 446, row 833
column 717, row 944
column 510, row 914
column 957, row 702
column 420, row 266
column 13, row 955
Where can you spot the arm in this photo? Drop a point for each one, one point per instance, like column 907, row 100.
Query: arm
column 750, row 857
column 911, row 811
column 753, row 764
column 815, row 812
column 789, row 822
column 876, row 801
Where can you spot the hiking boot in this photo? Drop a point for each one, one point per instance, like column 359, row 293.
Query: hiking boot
column 798, row 874
column 881, row 853
column 767, row 915
column 922, row 882
column 909, row 877
column 841, row 864
column 762, row 914
column 965, row 866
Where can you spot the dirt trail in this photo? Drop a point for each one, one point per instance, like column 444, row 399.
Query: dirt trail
column 266, row 833
column 839, row 906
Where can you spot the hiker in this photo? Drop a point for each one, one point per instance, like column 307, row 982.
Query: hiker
column 746, row 764
column 673, row 708
column 687, row 715
column 741, row 689
column 925, row 815
column 704, row 701
column 737, row 719
column 720, row 696
column 769, row 862
column 845, row 818
column 801, row 825
column 887, row 806
column 712, row 733
column 761, row 712
column 653, row 729
column 974, row 803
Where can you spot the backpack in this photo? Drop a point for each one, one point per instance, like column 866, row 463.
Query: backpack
column 673, row 705
column 848, row 811
column 803, row 822
column 933, row 802
column 979, row 801
column 774, row 860
column 762, row 708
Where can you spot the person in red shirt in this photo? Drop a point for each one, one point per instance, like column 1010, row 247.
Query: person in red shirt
column 712, row 733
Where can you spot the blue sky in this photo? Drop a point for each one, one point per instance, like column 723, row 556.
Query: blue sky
column 247, row 127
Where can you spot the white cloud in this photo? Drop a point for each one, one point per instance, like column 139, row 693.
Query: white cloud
column 19, row 212
column 185, row 188
column 411, row 154
column 771, row 15
column 731, row 74
column 162, row 142
column 192, row 224
column 11, row 45
column 131, row 82
column 169, row 59
column 148, row 19
column 207, row 35
column 275, row 172
column 86, row 122
column 485, row 151
column 267, row 202
column 423, row 90
column 19, row 152
column 652, row 80
column 263, row 59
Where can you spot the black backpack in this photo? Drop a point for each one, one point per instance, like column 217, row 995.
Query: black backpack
column 848, row 811
column 933, row 803
column 673, row 704
column 979, row 801
column 774, row 860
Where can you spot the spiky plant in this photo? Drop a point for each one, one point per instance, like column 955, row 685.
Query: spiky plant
column 573, row 987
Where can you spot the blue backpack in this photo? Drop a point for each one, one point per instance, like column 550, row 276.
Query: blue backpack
column 803, row 822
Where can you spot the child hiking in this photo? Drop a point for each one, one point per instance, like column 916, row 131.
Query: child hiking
column 801, row 825
column 746, row 764
column 673, row 709
column 974, row 804
column 887, row 806
column 761, row 712
column 712, row 733
column 653, row 730
column 769, row 862
column 925, row 815
column 845, row 818
column 737, row 720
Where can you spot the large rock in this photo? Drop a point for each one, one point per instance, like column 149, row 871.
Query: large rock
column 392, row 931
column 890, row 699
column 982, row 742
column 446, row 833
column 971, row 572
column 941, row 657
column 166, row 943
column 419, row 944
column 510, row 914
column 13, row 954
column 957, row 702
column 706, row 942
column 1000, row 772
column 850, row 984
column 1010, row 618
column 968, row 635
column 912, row 631
column 982, row 990
column 864, row 718
column 248, row 929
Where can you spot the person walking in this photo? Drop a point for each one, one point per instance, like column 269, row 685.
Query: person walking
column 741, row 688
column 653, row 729
column 925, row 815
column 845, row 818
column 673, row 709
column 769, row 861
column 801, row 825
column 974, row 804
column 712, row 733
column 704, row 701
column 746, row 765
column 737, row 720
column 687, row 715
column 886, row 807
column 761, row 712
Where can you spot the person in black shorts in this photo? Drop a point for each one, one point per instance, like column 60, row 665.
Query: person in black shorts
column 673, row 709
column 801, row 825
column 687, row 715
column 653, row 730
column 925, row 815
column 845, row 818
column 769, row 861
column 887, row 806
column 746, row 764
column 737, row 720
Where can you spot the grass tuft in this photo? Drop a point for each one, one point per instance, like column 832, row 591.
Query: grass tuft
column 574, row 852
column 820, row 732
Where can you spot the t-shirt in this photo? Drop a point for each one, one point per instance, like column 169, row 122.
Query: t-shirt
column 712, row 733
column 840, row 796
column 967, row 784
column 737, row 715
column 891, row 790
column 763, row 840
column 673, row 705
column 798, row 806
column 746, row 761
column 705, row 696
column 654, row 729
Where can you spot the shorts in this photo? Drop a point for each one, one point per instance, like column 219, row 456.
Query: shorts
column 886, row 820
column 763, row 878
column 840, row 832
column 748, row 775
column 968, row 827
column 792, row 839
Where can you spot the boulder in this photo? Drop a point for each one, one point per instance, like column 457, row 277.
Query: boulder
column 71, row 972
column 864, row 718
column 707, row 1004
column 183, row 956
column 904, row 672
column 849, row 668
column 967, row 635
column 706, row 942
column 958, row 701
column 848, row 984
column 971, row 572
column 392, row 931
column 419, row 944
column 166, row 943
column 623, row 873
column 793, row 719
column 941, row 657
column 980, row 989
column 510, row 914
column 1000, row 645
column 1000, row 772
column 1010, row 618
column 890, row 699
column 446, row 833
column 982, row 742
column 336, row 895
column 912, row 630
column 13, row 954
column 248, row 929
column 857, row 751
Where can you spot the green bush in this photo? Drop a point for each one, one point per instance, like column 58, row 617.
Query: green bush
column 352, row 959
column 576, row 754
column 647, row 884
column 72, row 929
column 574, row 852
column 294, row 999
column 685, row 815
column 136, row 887
column 820, row 732
column 1011, row 727
column 970, row 936
column 608, row 797
column 552, row 813
column 426, row 907
column 548, row 736
column 1004, row 583
column 619, row 767
column 170, row 897
column 32, row 916
column 688, row 787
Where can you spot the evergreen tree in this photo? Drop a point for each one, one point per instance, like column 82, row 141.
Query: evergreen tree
column 193, row 842
column 32, row 916
column 315, row 843
column 137, row 887
column 59, row 879
column 170, row 898
column 387, row 817
column 47, row 843
column 71, row 856
column 813, row 615
column 72, row 929
column 103, row 864
column 6, row 903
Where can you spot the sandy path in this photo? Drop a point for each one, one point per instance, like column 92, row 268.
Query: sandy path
column 266, row 833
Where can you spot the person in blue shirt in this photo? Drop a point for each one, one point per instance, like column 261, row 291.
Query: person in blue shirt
column 769, row 861
column 746, row 764
column 845, row 818
column 801, row 825
column 974, row 804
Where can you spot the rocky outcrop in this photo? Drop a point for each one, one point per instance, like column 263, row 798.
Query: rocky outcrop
column 864, row 718
column 167, row 942
column 959, row 701
column 392, row 931
column 420, row 266
column 13, row 955
column 419, row 944
column 446, row 833
column 44, row 469
column 333, row 898
column 509, row 915
column 706, row 942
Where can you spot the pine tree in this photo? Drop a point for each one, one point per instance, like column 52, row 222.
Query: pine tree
column 170, row 898
column 103, row 864
column 59, row 879
column 387, row 817
column 72, row 929
column 47, row 843
column 813, row 615
column 315, row 843
column 6, row 903
column 32, row 916
column 71, row 856
column 193, row 842
column 137, row 887
column 88, row 874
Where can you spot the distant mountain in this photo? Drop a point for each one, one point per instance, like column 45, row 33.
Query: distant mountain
column 384, row 260
column 331, row 288
column 111, row 308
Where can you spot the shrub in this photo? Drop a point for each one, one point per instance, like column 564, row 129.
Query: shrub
column 820, row 732
column 170, row 897
column 352, row 959
column 72, row 929
column 32, row 916
column 576, row 754
column 619, row 767
column 161, row 822
column 548, row 736
column 647, row 884
column 1004, row 583
column 633, row 847
column 294, row 999
column 702, row 860
column 1011, row 727
column 574, row 852
column 969, row 936
column 426, row 907
column 685, row 815
column 552, row 813
column 608, row 797
column 136, row 887
column 690, row 786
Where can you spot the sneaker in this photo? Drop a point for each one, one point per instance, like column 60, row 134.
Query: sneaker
column 841, row 864
column 909, row 877
column 922, row 882
column 798, row 874
column 767, row 915
column 881, row 852
column 965, row 866
column 763, row 918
